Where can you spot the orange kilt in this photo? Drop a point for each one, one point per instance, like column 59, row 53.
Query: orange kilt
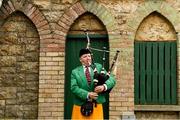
column 96, row 115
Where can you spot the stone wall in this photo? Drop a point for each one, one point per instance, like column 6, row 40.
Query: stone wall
column 42, row 50
column 89, row 22
column 19, row 68
column 155, row 27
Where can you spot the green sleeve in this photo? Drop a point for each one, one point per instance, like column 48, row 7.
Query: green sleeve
column 76, row 90
column 110, row 82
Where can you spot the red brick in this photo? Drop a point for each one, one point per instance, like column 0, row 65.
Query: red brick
column 8, row 8
column 62, row 32
column 27, row 8
column 42, row 23
column 64, row 25
column 69, row 19
column 35, row 19
column 4, row 11
column 52, row 45
column 78, row 8
column 45, row 27
column 45, row 36
column 58, row 49
column 2, row 16
column 11, row 5
column 57, row 41
column 31, row 11
column 70, row 15
column 60, row 28
column 44, row 32
column 38, row 18
column 64, row 20
column 36, row 12
column 73, row 13
column 48, row 40
column 59, row 37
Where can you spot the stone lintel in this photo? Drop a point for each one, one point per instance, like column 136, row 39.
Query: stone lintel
column 157, row 108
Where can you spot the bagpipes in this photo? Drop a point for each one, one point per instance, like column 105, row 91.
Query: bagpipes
column 102, row 77
column 99, row 78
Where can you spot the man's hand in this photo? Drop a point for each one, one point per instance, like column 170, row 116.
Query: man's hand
column 99, row 89
column 93, row 95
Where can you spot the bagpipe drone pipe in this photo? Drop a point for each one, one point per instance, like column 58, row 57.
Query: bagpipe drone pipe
column 101, row 77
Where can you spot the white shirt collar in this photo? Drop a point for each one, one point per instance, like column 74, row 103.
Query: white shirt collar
column 84, row 67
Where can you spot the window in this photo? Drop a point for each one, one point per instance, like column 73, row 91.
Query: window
column 155, row 72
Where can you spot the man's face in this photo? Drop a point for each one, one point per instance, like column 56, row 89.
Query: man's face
column 86, row 59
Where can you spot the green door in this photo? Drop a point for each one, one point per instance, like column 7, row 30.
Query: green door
column 73, row 44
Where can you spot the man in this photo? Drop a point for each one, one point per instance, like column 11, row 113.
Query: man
column 82, row 86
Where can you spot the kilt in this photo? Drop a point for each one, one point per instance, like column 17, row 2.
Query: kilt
column 96, row 115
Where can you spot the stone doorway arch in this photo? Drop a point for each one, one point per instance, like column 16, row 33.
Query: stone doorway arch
column 69, row 16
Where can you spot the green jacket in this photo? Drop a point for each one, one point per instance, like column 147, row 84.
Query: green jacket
column 80, row 87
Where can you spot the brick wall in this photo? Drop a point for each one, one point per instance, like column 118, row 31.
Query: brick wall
column 52, row 20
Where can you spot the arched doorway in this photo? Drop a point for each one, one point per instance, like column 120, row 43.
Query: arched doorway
column 76, row 39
